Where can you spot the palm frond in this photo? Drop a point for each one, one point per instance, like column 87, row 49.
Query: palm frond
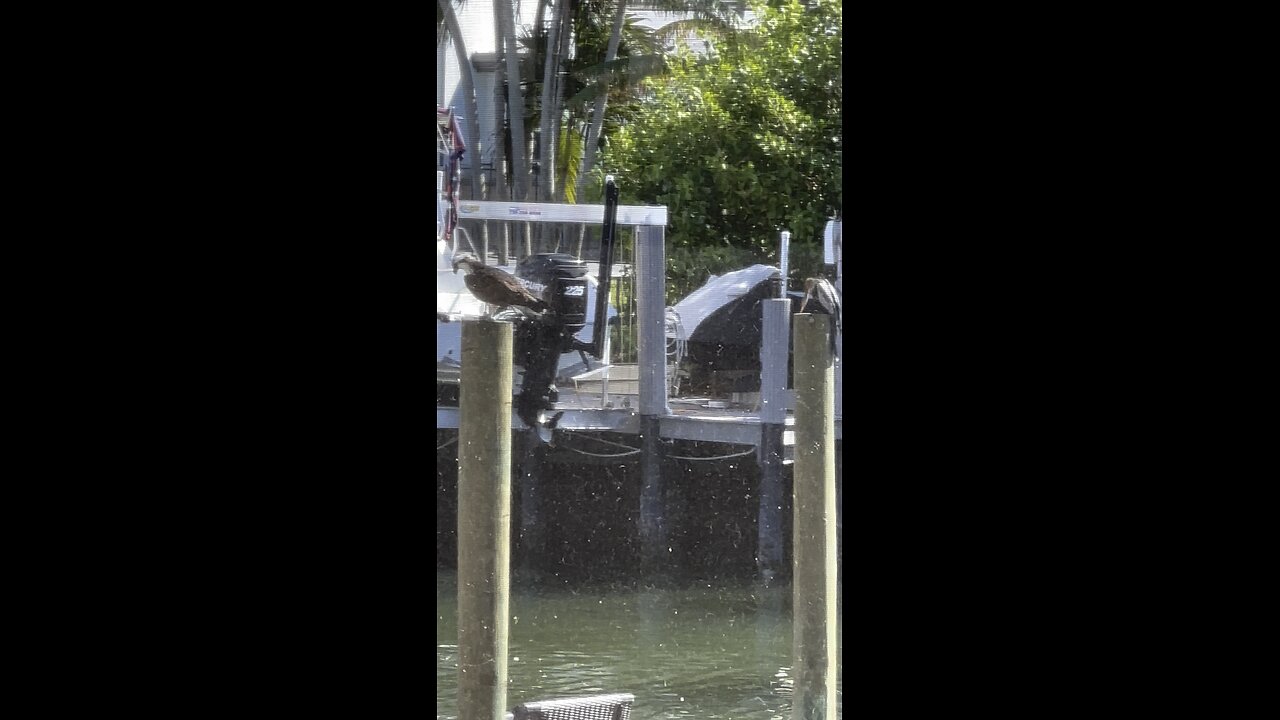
column 714, row 19
column 639, row 38
column 624, row 72
column 709, row 27
column 569, row 153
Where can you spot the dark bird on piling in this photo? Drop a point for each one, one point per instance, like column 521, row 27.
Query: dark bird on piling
column 826, row 302
column 494, row 286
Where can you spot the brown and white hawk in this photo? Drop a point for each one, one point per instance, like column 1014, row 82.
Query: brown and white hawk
column 495, row 287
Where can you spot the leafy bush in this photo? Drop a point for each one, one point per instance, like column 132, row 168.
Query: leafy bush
column 742, row 145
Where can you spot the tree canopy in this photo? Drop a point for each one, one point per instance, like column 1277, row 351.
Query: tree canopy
column 744, row 142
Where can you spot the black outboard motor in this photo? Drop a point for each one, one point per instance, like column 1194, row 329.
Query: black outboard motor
column 563, row 277
column 539, row 342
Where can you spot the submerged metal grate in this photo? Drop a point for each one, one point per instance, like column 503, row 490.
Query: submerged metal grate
column 599, row 707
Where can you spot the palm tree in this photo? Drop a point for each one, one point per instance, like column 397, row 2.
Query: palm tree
column 500, row 191
column 549, row 83
column 602, row 99
column 504, row 13
column 711, row 17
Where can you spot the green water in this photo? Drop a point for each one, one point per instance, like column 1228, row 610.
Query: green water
column 712, row 651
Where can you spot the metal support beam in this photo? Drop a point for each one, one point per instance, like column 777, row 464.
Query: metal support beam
column 596, row 420
column 532, row 537
column 776, row 316
column 770, row 555
column 655, row 553
column 651, row 314
column 651, row 274
column 655, row 216
column 775, row 330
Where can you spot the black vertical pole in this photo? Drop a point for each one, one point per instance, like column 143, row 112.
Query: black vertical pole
column 656, row 558
column 532, row 538
column 608, row 236
column 770, row 557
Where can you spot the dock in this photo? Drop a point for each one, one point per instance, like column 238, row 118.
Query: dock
column 640, row 400
column 703, row 419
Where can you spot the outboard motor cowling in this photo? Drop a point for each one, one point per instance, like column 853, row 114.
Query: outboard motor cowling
column 568, row 298
column 541, row 268
column 565, row 286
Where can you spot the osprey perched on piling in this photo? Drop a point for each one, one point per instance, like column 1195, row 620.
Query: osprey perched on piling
column 494, row 286
column 827, row 303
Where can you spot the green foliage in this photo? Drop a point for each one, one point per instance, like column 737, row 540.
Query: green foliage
column 743, row 145
column 592, row 22
column 619, row 75
column 584, row 72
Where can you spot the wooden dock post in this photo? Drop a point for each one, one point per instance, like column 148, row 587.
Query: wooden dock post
column 651, row 314
column 776, row 317
column 814, row 581
column 484, row 518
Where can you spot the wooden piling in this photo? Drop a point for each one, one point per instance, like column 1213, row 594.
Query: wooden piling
column 484, row 519
column 814, row 549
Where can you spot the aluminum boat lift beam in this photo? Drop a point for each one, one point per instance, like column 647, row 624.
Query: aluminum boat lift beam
column 652, row 216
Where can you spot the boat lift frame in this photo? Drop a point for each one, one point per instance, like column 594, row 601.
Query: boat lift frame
column 650, row 272
column 650, row 222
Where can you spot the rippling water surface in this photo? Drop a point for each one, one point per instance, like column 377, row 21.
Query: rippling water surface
column 706, row 652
